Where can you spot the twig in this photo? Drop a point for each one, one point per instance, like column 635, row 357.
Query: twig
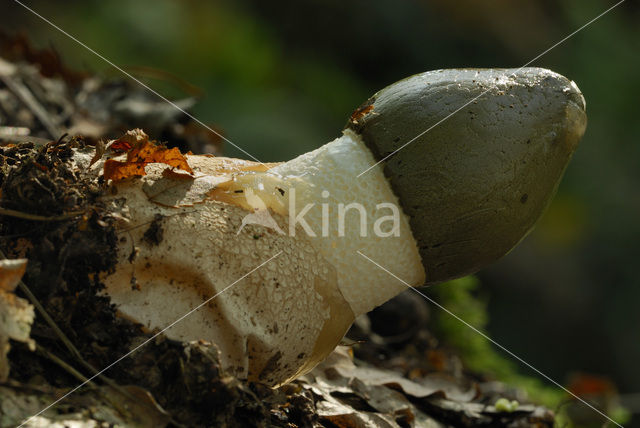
column 73, row 372
column 65, row 340
column 23, row 93
column 163, row 75
column 35, row 217
column 74, row 351
column 59, row 361
column 42, row 389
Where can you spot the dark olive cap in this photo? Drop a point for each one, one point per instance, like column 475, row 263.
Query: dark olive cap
column 473, row 179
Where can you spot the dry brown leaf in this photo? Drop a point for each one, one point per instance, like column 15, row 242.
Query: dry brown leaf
column 100, row 149
column 131, row 138
column 11, row 272
column 145, row 410
column 173, row 174
column 140, row 152
column 349, row 395
column 347, row 391
column 87, row 409
column 361, row 420
column 589, row 385
column 116, row 170
column 174, row 189
column 16, row 314
column 120, row 146
column 340, row 363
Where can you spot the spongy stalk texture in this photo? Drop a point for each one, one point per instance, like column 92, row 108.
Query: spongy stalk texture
column 326, row 182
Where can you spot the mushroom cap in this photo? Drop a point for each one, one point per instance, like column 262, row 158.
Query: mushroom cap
column 477, row 180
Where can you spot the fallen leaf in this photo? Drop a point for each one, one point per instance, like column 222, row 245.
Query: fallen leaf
column 100, row 149
column 88, row 409
column 172, row 174
column 350, row 398
column 140, row 152
column 11, row 271
column 120, row 146
column 340, row 363
column 174, row 189
column 16, row 313
column 132, row 138
column 585, row 385
column 116, row 170
column 144, row 410
column 352, row 395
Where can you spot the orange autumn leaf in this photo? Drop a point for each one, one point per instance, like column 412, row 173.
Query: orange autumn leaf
column 142, row 153
column 116, row 170
column 149, row 153
column 120, row 146
column 583, row 384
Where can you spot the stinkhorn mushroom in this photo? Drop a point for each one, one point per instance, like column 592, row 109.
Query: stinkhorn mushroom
column 429, row 206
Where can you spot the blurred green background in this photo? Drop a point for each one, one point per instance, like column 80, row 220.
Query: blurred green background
column 280, row 78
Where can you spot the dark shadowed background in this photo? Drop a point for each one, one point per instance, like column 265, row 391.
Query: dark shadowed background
column 280, row 78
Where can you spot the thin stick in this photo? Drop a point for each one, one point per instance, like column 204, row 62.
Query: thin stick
column 73, row 372
column 23, row 93
column 59, row 361
column 42, row 311
column 35, row 217
column 74, row 351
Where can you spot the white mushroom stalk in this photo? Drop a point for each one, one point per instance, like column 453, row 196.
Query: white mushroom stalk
column 322, row 196
column 188, row 238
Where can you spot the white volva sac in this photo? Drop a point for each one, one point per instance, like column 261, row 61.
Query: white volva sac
column 281, row 320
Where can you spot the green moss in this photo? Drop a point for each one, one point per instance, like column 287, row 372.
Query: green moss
column 478, row 353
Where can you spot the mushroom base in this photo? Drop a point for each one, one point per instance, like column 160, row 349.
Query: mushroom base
column 277, row 309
